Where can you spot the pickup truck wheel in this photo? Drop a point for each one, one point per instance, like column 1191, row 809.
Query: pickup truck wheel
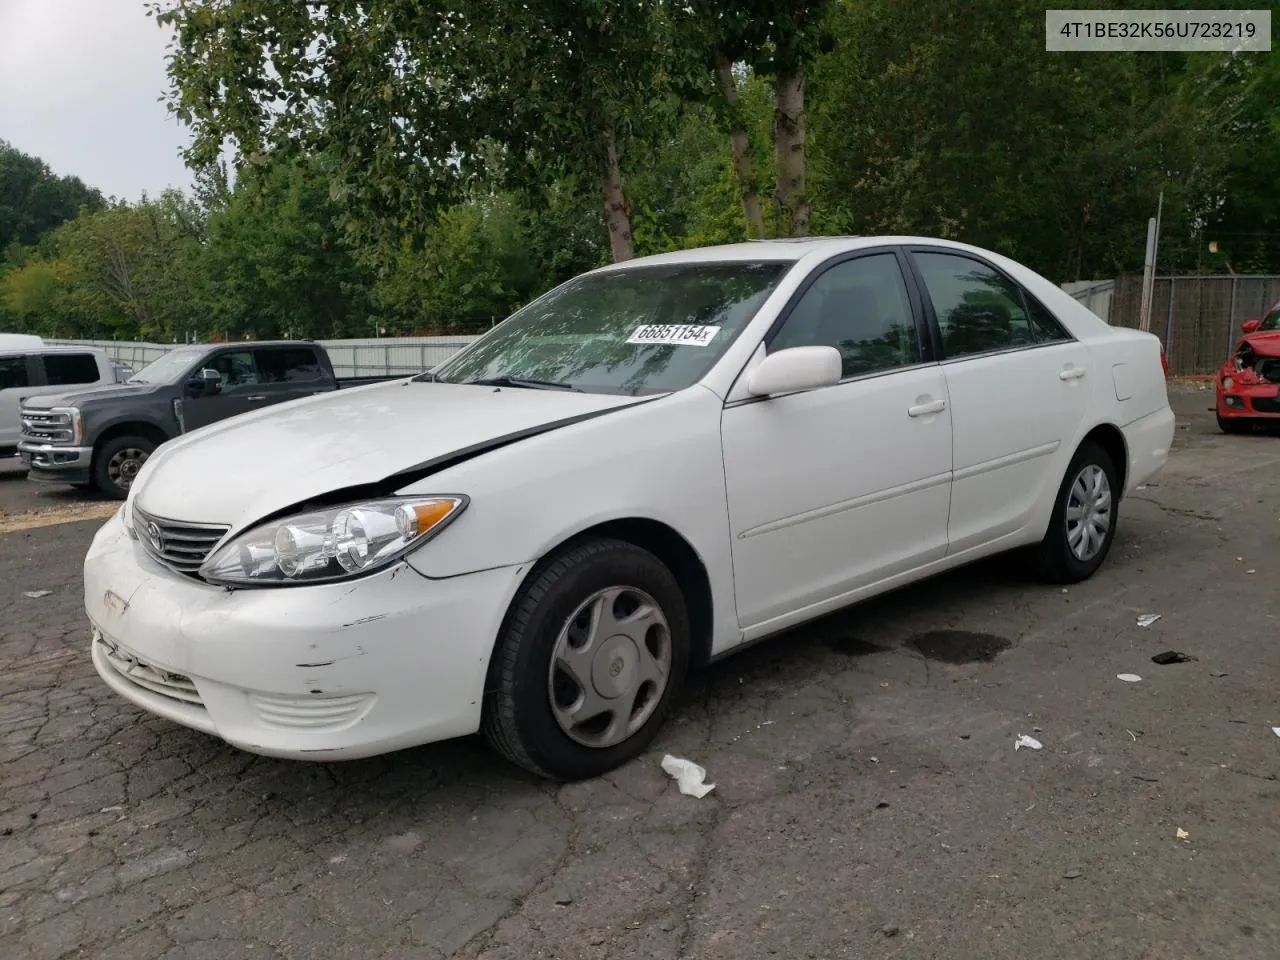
column 1083, row 522
column 117, row 462
column 591, row 652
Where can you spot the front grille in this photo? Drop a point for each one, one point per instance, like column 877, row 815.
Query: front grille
column 1266, row 404
column 175, row 686
column 179, row 546
column 1268, row 370
column 47, row 427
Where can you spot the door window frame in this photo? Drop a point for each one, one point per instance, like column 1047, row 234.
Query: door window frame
column 928, row 351
column 42, row 362
column 931, row 316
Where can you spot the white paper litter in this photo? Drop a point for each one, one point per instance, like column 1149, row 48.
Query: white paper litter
column 1147, row 619
column 1031, row 743
column 37, row 594
column 688, row 776
column 1276, row 731
column 1128, row 677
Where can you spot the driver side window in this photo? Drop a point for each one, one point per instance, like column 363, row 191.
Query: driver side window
column 861, row 308
column 234, row 369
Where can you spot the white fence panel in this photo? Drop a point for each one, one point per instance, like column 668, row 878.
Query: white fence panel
column 374, row 357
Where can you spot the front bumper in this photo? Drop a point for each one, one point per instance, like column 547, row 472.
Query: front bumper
column 325, row 672
column 53, row 463
column 1248, row 400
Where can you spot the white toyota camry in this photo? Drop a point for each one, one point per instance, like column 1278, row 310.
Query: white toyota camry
column 646, row 468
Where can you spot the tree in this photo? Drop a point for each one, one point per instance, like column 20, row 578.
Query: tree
column 33, row 200
column 940, row 120
column 415, row 102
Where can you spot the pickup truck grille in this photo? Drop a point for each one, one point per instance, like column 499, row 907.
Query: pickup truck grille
column 47, row 427
column 179, row 546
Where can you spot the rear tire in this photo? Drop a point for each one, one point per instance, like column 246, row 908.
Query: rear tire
column 1083, row 523
column 117, row 462
column 590, row 655
column 1234, row 425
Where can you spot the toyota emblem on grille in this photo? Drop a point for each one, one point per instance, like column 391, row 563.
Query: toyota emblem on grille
column 153, row 531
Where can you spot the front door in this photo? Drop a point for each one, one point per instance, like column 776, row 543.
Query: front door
column 834, row 489
column 237, row 390
column 1019, row 386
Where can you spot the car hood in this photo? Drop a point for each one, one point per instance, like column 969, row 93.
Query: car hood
column 79, row 396
column 240, row 470
column 1266, row 344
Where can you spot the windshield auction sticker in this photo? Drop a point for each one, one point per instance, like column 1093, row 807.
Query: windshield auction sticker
column 670, row 334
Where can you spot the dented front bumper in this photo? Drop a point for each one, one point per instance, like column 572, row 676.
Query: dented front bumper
column 324, row 672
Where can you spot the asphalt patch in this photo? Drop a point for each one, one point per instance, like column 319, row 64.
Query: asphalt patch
column 959, row 646
column 854, row 646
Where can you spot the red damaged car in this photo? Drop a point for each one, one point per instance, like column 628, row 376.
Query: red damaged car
column 1248, row 385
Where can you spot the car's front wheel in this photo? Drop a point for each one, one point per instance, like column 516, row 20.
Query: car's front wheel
column 1233, row 424
column 1083, row 523
column 117, row 462
column 591, row 652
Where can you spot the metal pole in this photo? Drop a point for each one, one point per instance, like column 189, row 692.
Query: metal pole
column 1231, row 316
column 1168, row 329
column 1148, row 277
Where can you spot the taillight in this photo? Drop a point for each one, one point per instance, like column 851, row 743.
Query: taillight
column 1164, row 360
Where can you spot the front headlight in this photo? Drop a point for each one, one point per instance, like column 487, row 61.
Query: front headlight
column 126, row 518
column 1227, row 383
column 332, row 544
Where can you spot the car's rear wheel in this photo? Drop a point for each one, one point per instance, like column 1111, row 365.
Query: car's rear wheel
column 1234, row 424
column 591, row 652
column 1083, row 523
column 117, row 462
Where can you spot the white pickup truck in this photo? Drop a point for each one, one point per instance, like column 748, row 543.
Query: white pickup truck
column 29, row 366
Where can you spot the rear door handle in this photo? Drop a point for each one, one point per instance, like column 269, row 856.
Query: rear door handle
column 924, row 409
column 1072, row 373
column 257, row 396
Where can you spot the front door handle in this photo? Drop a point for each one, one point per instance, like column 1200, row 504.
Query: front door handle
column 925, row 409
column 257, row 396
column 1071, row 373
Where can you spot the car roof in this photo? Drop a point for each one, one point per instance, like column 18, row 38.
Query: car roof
column 788, row 249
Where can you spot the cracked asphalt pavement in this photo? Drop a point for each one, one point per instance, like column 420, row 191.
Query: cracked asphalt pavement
column 869, row 801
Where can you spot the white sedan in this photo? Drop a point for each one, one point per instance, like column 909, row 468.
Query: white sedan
column 643, row 470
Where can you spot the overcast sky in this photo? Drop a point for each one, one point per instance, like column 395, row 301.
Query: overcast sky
column 79, row 88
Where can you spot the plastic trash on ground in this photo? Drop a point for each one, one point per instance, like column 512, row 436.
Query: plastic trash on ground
column 1031, row 743
column 688, row 776
column 1147, row 619
column 1128, row 677
column 1172, row 656
column 37, row 594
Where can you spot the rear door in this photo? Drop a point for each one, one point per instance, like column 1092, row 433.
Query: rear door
column 288, row 373
column 1018, row 386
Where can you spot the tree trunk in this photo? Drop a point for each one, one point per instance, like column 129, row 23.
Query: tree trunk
column 617, row 211
column 741, row 147
column 791, row 206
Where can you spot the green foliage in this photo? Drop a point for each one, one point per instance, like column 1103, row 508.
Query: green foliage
column 33, row 200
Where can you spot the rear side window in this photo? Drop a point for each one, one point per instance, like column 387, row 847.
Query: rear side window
column 13, row 372
column 64, row 369
column 978, row 310
column 289, row 365
column 1046, row 326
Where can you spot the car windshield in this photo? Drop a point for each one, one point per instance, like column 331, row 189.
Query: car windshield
column 1272, row 320
column 637, row 330
column 168, row 368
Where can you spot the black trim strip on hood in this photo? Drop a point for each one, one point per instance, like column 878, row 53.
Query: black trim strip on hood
column 389, row 484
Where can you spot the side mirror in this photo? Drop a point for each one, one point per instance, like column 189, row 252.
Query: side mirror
column 1250, row 325
column 793, row 369
column 204, row 384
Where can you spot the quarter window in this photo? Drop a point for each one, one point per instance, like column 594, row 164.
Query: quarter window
column 1046, row 326
column 861, row 308
column 978, row 310
column 65, row 369
column 13, row 372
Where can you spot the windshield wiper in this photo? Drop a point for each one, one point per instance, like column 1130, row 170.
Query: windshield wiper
column 522, row 382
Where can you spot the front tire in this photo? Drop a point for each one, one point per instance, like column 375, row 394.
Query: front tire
column 590, row 654
column 1233, row 425
column 1083, row 523
column 117, row 462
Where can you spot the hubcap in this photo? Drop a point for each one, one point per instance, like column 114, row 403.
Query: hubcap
column 610, row 666
column 124, row 466
column 1088, row 512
